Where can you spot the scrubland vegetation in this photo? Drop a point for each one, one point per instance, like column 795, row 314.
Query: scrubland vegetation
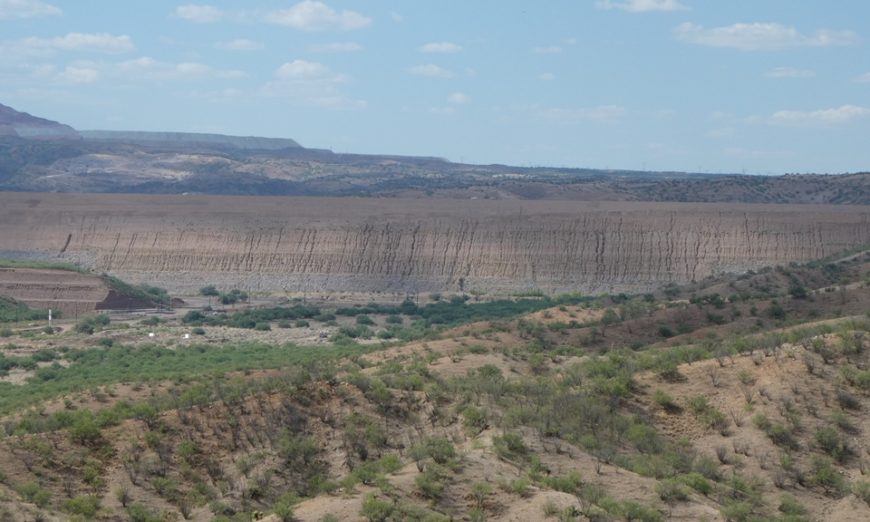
column 737, row 398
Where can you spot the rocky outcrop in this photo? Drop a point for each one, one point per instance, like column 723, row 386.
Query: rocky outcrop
column 388, row 245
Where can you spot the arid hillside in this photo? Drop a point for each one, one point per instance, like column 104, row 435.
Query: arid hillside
column 407, row 246
column 740, row 399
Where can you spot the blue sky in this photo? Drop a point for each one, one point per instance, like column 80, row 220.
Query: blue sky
column 761, row 86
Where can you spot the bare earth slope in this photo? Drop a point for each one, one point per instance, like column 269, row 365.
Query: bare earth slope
column 71, row 293
column 394, row 245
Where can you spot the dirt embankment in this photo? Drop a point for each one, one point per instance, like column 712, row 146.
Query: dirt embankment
column 389, row 245
column 71, row 293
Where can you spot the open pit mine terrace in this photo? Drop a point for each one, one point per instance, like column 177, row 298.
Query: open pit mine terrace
column 281, row 244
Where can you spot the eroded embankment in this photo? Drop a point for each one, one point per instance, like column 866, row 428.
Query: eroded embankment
column 352, row 244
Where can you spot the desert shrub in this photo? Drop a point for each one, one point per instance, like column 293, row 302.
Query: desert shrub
column 91, row 324
column 209, row 291
column 283, row 509
column 84, row 430
column 779, row 433
column 440, row 450
column 737, row 511
column 776, row 311
column 140, row 513
column 33, row 492
column 364, row 319
column 432, row 481
column 789, row 506
column 861, row 489
column 672, row 490
column 696, row 481
column 568, row 483
column 198, row 331
column 480, row 491
column 83, row 505
column 263, row 326
column 666, row 402
column 823, row 474
column 375, row 509
column 828, row 439
column 509, row 446
column 518, row 486
column 474, row 419
column 847, row 401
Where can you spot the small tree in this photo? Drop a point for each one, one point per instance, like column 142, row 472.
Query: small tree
column 209, row 291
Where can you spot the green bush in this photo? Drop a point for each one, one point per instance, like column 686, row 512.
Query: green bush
column 666, row 402
column 375, row 509
column 140, row 513
column 32, row 492
column 568, row 483
column 510, row 446
column 83, row 505
column 823, row 474
column 697, row 482
column 861, row 489
column 789, row 506
column 829, row 440
column 91, row 324
column 432, row 481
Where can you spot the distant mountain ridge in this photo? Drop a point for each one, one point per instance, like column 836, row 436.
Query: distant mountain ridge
column 24, row 125
column 40, row 155
column 193, row 138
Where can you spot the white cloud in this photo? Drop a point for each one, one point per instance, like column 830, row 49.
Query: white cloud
column 642, row 6
column 440, row 47
column 147, row 68
column 864, row 78
column 834, row 116
column 337, row 47
column 789, row 72
column 310, row 84
column 301, row 69
column 548, row 49
column 79, row 74
column 26, row 9
column 239, row 44
column 761, row 37
column 72, row 42
column 199, row 13
column 547, row 77
column 396, row 17
column 431, row 70
column 458, row 98
column 311, row 15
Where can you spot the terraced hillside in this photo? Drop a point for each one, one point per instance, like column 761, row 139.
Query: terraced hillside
column 406, row 246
